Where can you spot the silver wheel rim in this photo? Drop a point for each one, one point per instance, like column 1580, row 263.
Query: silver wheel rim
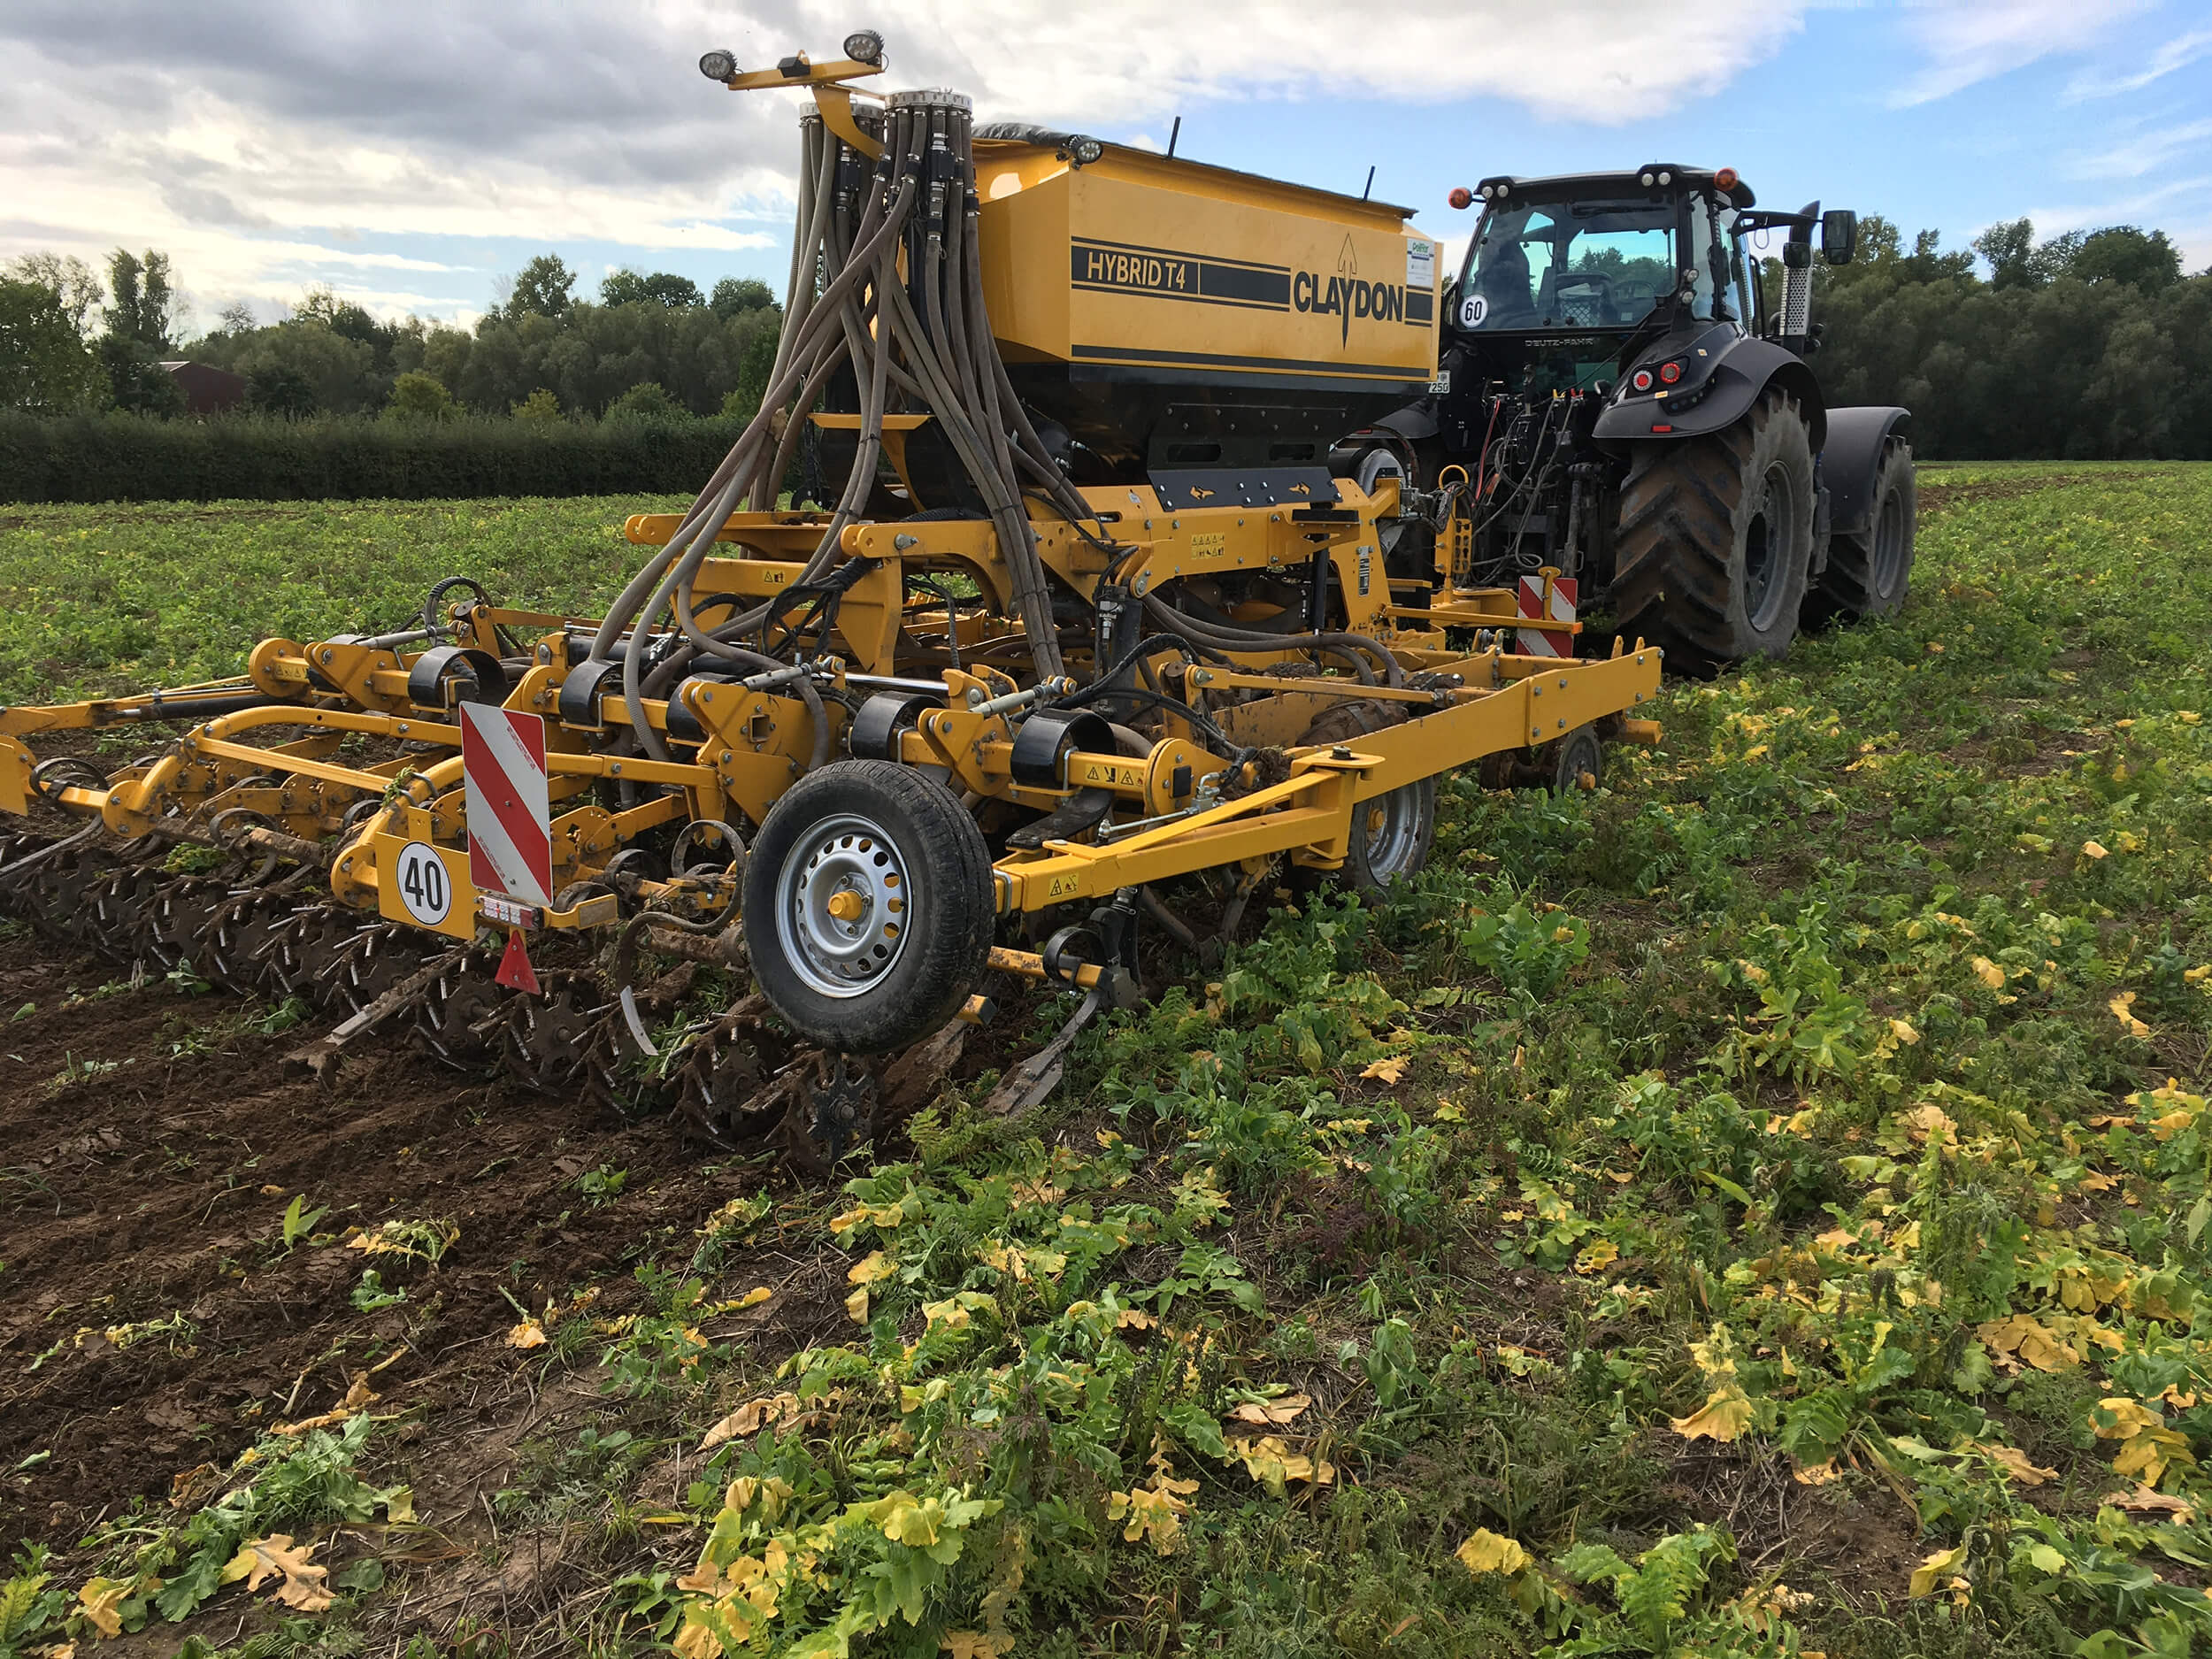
column 1391, row 833
column 841, row 901
column 1769, row 544
column 1889, row 544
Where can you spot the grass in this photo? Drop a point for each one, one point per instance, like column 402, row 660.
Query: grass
column 100, row 600
column 1759, row 1207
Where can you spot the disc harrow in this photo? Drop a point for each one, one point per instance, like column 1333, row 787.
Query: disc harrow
column 255, row 928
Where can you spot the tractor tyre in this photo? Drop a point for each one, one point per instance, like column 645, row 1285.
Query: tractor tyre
column 1716, row 540
column 1391, row 833
column 1867, row 574
column 868, row 906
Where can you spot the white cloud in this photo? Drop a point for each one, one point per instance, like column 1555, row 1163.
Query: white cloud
column 261, row 143
column 1596, row 61
column 2137, row 209
column 2178, row 53
column 1962, row 41
column 2148, row 153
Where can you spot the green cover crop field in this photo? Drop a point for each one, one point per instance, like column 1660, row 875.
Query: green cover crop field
column 1758, row 1208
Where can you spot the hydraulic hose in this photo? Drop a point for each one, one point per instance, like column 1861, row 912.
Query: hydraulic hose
column 886, row 287
column 885, row 296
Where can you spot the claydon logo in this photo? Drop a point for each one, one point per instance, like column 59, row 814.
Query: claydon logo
column 1346, row 296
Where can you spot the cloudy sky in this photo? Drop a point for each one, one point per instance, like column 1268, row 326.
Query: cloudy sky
column 410, row 153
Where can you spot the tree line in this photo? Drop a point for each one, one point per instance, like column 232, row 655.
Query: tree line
column 2083, row 346
column 652, row 344
column 2090, row 344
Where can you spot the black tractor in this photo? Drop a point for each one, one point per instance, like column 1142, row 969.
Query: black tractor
column 1618, row 403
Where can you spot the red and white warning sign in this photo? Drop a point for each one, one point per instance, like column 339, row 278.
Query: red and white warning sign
column 510, row 836
column 1546, row 597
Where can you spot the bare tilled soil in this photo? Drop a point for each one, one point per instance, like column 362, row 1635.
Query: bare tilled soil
column 152, row 1321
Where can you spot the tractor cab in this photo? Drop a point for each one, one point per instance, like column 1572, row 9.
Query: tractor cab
column 1568, row 278
column 1619, row 417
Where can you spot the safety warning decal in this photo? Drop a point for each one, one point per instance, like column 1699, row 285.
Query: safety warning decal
column 510, row 837
column 1537, row 607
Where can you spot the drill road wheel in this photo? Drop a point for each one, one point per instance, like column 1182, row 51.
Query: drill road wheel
column 868, row 906
column 1867, row 574
column 1578, row 761
column 1716, row 540
column 1392, row 832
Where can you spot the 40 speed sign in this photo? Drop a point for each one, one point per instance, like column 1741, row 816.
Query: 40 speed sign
column 425, row 888
column 425, row 884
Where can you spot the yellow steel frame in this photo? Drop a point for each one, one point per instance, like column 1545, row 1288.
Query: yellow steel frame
column 333, row 694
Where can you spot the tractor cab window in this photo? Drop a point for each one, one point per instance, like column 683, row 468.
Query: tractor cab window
column 1568, row 265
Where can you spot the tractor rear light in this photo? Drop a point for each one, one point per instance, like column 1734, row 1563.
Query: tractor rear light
column 1461, row 197
column 1656, row 427
column 1666, row 178
column 1648, row 178
column 493, row 908
column 1641, row 379
column 1670, row 372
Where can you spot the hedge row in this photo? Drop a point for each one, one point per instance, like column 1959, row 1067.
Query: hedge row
column 239, row 457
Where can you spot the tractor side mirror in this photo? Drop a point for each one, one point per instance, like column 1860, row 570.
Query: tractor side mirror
column 1839, row 235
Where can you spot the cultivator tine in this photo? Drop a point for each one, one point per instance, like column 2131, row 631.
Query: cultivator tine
column 722, row 1074
column 321, row 1055
column 1033, row 1081
column 544, row 1038
column 23, row 862
column 456, row 1015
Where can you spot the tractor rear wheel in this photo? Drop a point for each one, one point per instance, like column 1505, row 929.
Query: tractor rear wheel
column 1867, row 574
column 1716, row 540
column 868, row 906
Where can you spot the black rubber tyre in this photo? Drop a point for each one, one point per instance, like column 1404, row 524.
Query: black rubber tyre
column 918, row 933
column 1715, row 545
column 1391, row 834
column 1867, row 575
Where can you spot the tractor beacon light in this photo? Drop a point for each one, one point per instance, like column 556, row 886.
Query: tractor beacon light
column 1461, row 197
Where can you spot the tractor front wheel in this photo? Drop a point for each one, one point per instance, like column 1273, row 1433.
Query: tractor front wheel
column 1868, row 574
column 1716, row 540
column 868, row 906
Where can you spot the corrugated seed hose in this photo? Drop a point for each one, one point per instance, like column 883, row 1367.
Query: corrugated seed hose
column 925, row 342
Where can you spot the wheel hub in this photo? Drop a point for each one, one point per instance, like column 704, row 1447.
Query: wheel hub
column 842, row 907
